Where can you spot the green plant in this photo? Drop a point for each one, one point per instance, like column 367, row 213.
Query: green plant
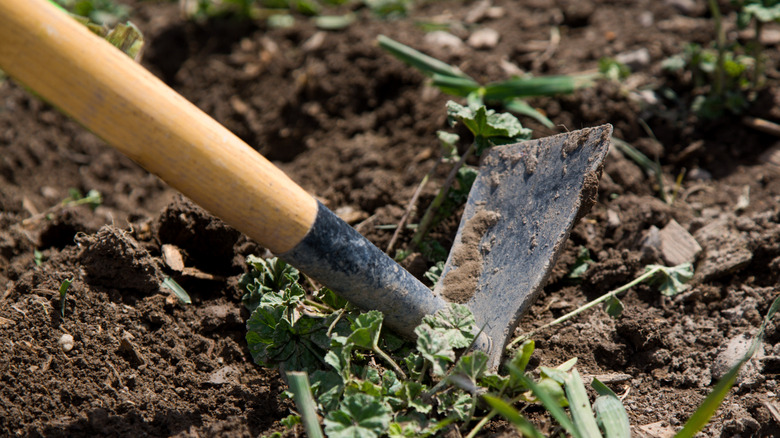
column 488, row 128
column 93, row 198
column 668, row 281
column 280, row 13
column 507, row 93
column 63, row 294
column 103, row 18
column 758, row 12
column 367, row 382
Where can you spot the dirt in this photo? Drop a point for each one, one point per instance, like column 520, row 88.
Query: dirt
column 358, row 129
column 460, row 283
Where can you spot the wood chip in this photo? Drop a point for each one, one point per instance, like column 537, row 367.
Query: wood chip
column 172, row 257
column 677, row 245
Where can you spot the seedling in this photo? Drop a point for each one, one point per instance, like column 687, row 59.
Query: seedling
column 508, row 93
column 668, row 281
column 177, row 290
column 63, row 294
column 93, row 198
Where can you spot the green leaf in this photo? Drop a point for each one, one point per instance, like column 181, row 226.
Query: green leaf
column 455, row 404
column 472, row 366
column 266, row 275
column 434, row 347
column 610, row 413
column 299, row 385
column 527, row 87
column 327, row 387
column 524, row 109
column 455, row 86
column 554, row 389
column 433, row 274
column 671, row 281
column 580, row 266
column 487, row 123
column 366, row 330
column 455, row 323
column 179, row 291
column 711, row 403
column 581, row 411
column 763, row 13
column 549, row 402
column 613, row 306
column 521, row 423
column 426, row 64
column 359, row 416
column 411, row 393
column 64, row 293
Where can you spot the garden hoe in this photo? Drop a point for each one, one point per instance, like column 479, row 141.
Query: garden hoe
column 522, row 206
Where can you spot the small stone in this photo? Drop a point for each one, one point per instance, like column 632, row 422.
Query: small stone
column 445, row 41
column 172, row 257
column 66, row 342
column 677, row 245
column 635, row 59
column 725, row 249
column 485, row 38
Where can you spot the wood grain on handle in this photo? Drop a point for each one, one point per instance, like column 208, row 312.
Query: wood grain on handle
column 120, row 101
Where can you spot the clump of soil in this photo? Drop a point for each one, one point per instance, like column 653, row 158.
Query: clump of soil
column 460, row 283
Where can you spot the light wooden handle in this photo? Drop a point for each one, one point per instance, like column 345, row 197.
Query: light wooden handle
column 138, row 114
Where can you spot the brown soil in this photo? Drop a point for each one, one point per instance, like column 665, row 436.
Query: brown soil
column 357, row 129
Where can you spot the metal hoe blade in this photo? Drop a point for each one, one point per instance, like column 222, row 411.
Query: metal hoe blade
column 522, row 206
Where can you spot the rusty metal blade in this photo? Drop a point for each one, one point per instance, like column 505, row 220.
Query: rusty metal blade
column 524, row 202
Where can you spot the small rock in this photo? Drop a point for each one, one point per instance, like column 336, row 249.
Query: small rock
column 635, row 59
column 677, row 245
column 66, row 342
column 733, row 352
column 172, row 257
column 725, row 249
column 699, row 174
column 485, row 38
column 445, row 41
column 227, row 374
column 350, row 214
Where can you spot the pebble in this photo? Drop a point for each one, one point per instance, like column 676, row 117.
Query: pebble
column 635, row 58
column 66, row 342
column 445, row 40
column 485, row 38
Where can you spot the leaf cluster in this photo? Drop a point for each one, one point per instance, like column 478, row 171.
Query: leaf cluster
column 367, row 382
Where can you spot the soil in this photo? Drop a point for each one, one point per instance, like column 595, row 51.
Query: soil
column 357, row 129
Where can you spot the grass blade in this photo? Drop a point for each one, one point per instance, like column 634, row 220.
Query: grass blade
column 426, row 64
column 179, row 291
column 541, row 86
column 456, row 86
column 520, row 107
column 711, row 404
column 581, row 411
column 299, row 385
column 549, row 402
column 521, row 423
column 610, row 412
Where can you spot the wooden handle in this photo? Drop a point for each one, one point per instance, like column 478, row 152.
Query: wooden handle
column 120, row 101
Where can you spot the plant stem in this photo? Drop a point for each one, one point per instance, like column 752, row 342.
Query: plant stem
column 390, row 360
column 430, row 213
column 720, row 43
column 758, row 72
column 649, row 274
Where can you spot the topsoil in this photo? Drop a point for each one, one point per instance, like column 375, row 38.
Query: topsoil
column 357, row 129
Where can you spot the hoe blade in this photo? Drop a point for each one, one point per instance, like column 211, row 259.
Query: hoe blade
column 524, row 202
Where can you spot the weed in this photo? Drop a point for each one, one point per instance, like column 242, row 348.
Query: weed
column 63, row 294
column 177, row 290
column 507, row 93
column 488, row 128
column 103, row 18
column 93, row 198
